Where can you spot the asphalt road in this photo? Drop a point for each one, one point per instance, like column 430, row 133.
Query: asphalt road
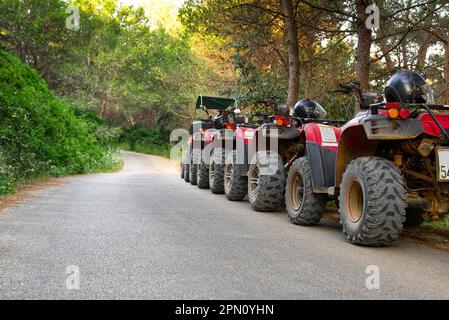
column 144, row 233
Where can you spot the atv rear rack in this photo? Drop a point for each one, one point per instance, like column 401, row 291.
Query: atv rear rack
column 428, row 107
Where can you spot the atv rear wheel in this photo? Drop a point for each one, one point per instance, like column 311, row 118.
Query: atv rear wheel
column 266, row 182
column 216, row 171
column 202, row 176
column 235, row 185
column 372, row 201
column 194, row 160
column 184, row 163
column 304, row 207
column 187, row 172
column 181, row 169
column 193, row 174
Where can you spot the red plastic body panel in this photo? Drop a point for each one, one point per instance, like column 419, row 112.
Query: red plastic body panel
column 245, row 134
column 430, row 127
column 209, row 136
column 324, row 135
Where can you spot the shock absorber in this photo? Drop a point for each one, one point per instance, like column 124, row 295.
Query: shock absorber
column 294, row 158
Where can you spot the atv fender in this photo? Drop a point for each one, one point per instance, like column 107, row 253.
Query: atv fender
column 353, row 144
column 321, row 151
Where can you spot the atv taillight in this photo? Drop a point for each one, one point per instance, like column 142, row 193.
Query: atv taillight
column 279, row 120
column 229, row 126
column 393, row 113
column 404, row 113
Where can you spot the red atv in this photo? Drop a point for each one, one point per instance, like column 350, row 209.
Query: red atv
column 391, row 165
column 203, row 164
column 223, row 146
column 263, row 155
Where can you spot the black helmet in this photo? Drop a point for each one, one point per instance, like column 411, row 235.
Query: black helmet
column 282, row 110
column 307, row 108
column 408, row 87
column 220, row 120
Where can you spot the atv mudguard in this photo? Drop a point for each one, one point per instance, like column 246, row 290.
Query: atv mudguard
column 321, row 150
column 248, row 140
column 362, row 135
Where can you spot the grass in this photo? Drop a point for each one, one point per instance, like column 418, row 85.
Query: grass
column 443, row 224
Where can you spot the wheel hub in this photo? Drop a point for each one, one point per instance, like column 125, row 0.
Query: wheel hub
column 228, row 176
column 254, row 181
column 296, row 191
column 212, row 171
column 354, row 201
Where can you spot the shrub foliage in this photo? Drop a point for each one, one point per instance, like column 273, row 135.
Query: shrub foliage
column 41, row 135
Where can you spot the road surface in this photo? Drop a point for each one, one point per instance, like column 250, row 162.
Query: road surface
column 144, row 233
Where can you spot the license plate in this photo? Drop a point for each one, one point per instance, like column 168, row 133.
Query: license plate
column 443, row 164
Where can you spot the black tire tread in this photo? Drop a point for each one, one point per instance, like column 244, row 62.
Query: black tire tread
column 239, row 187
column 194, row 166
column 385, row 215
column 217, row 183
column 202, row 180
column 187, row 172
column 271, row 188
column 313, row 205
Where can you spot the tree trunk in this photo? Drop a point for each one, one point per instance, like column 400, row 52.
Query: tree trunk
column 382, row 42
column 291, row 35
column 422, row 54
column 310, row 54
column 445, row 97
column 424, row 38
column 404, row 54
column 363, row 45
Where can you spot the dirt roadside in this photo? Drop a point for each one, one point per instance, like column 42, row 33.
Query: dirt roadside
column 25, row 190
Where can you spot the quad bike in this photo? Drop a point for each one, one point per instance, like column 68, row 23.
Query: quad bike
column 223, row 145
column 194, row 166
column 390, row 167
column 267, row 153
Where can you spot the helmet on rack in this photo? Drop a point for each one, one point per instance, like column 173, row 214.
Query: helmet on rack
column 307, row 108
column 408, row 87
column 282, row 110
column 220, row 120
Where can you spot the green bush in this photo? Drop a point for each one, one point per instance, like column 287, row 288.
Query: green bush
column 443, row 224
column 41, row 135
column 147, row 140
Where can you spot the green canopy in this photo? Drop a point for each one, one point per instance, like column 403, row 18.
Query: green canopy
column 216, row 103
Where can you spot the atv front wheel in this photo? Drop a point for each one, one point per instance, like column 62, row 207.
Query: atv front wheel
column 372, row 201
column 304, row 207
column 235, row 185
column 216, row 171
column 266, row 182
